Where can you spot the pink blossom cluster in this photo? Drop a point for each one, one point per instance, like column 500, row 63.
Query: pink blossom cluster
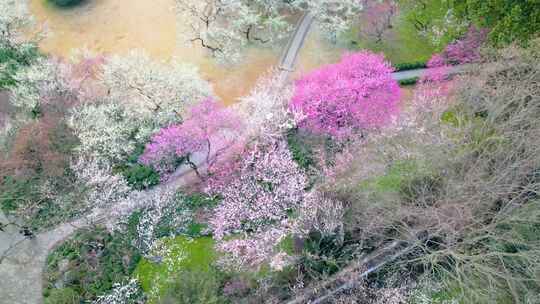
column 260, row 194
column 435, row 83
column 265, row 186
column 210, row 128
column 466, row 49
column 251, row 251
column 356, row 93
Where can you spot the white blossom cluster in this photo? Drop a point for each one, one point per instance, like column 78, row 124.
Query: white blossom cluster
column 41, row 83
column 264, row 110
column 153, row 90
column 103, row 188
column 121, row 294
column 155, row 205
column 14, row 15
column 104, row 130
column 143, row 96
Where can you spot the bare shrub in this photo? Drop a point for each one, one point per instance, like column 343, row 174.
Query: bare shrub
column 464, row 171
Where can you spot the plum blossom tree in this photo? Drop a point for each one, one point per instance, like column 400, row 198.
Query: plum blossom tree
column 105, row 130
column 259, row 195
column 466, row 49
column 264, row 110
column 435, row 84
column 143, row 96
column 53, row 82
column 354, row 94
column 225, row 27
column 210, row 130
column 151, row 90
column 40, row 84
column 101, row 187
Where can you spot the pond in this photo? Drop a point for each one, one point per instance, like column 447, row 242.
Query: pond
column 117, row 26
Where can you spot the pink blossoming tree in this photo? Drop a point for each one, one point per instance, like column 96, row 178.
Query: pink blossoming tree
column 466, row 49
column 208, row 132
column 354, row 94
column 436, row 82
column 258, row 198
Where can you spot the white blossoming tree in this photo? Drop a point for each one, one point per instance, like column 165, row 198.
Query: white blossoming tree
column 143, row 96
column 264, row 110
column 102, row 189
column 226, row 26
column 153, row 90
column 155, row 206
column 105, row 130
column 40, row 84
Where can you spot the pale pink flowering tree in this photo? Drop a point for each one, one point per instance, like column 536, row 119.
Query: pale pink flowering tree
column 261, row 192
column 209, row 131
column 355, row 94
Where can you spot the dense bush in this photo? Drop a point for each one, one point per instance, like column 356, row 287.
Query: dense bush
column 35, row 180
column 301, row 151
column 193, row 287
column 88, row 265
column 63, row 296
column 12, row 58
column 138, row 176
column 410, row 66
column 408, row 81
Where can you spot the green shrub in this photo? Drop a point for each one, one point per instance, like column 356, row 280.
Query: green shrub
column 141, row 177
column 18, row 193
column 12, row 58
column 301, row 152
column 193, row 287
column 408, row 81
column 138, row 176
column 89, row 264
column 410, row 66
column 63, row 296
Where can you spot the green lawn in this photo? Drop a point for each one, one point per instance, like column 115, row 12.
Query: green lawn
column 402, row 44
column 185, row 254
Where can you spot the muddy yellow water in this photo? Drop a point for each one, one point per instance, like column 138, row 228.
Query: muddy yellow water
column 117, row 26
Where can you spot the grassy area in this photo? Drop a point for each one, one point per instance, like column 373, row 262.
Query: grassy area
column 183, row 254
column 402, row 44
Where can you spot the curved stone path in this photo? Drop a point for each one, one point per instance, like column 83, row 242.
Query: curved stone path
column 22, row 267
